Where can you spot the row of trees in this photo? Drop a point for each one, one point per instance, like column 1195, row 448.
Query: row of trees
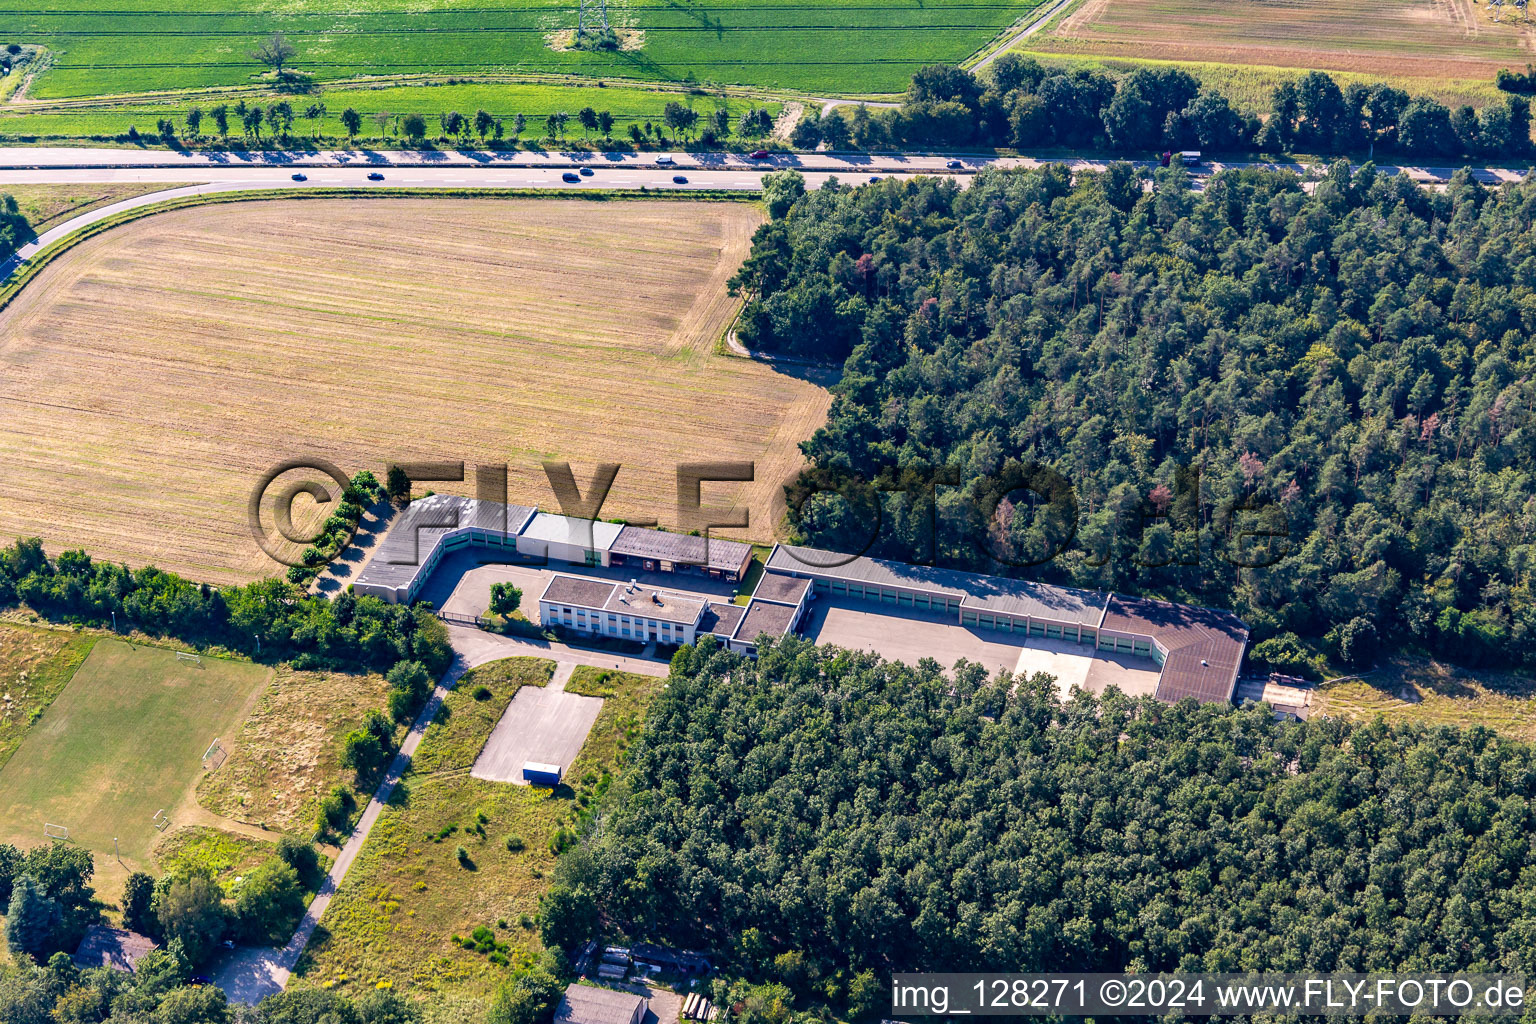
column 822, row 818
column 15, row 230
column 272, row 618
column 1021, row 103
column 1311, row 404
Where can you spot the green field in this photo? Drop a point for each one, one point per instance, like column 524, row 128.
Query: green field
column 504, row 100
column 845, row 46
column 393, row 920
column 122, row 741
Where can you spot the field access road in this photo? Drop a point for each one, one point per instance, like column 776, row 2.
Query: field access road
column 251, row 973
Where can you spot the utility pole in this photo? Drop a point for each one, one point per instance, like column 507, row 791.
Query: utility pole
column 593, row 18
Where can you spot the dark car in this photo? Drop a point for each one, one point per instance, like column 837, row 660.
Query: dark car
column 874, row 178
column 376, row 176
column 758, row 154
column 570, row 176
column 678, row 179
column 301, row 177
column 587, row 172
column 954, row 165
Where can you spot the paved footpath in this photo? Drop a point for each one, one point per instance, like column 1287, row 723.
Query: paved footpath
column 250, row 974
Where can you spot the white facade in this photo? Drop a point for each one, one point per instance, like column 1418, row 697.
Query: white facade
column 558, row 538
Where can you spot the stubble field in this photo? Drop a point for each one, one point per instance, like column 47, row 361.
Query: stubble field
column 1428, row 39
column 154, row 373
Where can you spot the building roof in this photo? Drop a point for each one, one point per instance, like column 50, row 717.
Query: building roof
column 650, row 603
column 586, row 1004
column 1204, row 645
column 593, row 534
column 974, row 591
column 681, row 548
column 112, row 947
column 578, row 590
column 783, row 589
column 423, row 524
column 764, row 617
column 722, row 619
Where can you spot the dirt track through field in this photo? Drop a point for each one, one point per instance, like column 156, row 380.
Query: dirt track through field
column 153, row 373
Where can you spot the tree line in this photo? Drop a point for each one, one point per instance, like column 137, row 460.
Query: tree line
column 1312, row 404
column 1020, row 103
column 820, row 818
column 15, row 230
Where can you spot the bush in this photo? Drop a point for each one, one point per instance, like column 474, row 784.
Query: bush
column 300, row 855
column 482, row 693
column 269, row 903
column 515, row 844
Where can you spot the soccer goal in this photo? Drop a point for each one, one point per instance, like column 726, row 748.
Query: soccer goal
column 55, row 831
column 196, row 659
column 214, row 755
column 161, row 820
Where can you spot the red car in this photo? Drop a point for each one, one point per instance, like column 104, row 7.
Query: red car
column 758, row 154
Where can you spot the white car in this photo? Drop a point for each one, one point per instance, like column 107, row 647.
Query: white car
column 664, row 161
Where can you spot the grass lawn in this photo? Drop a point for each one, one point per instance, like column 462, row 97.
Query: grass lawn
column 287, row 755
column 35, row 665
column 99, row 47
column 408, row 893
column 45, row 206
column 1435, row 693
column 122, row 741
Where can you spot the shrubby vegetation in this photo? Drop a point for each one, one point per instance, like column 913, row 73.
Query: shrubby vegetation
column 1350, row 368
column 1023, row 104
column 14, row 229
column 823, row 818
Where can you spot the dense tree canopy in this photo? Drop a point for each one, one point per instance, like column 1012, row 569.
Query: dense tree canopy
column 1021, row 103
column 822, row 813
column 1347, row 365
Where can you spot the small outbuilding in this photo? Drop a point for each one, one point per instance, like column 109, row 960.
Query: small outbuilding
column 112, row 947
column 586, row 1004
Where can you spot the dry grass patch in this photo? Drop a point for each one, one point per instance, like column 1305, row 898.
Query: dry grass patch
column 182, row 355
column 47, row 206
column 287, row 755
column 408, row 894
column 35, row 664
column 1436, row 693
column 1427, row 39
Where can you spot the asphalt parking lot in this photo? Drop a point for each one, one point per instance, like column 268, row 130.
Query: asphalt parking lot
column 543, row 724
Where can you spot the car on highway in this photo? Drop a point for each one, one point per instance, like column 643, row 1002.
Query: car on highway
column 664, row 161
column 874, row 178
column 758, row 154
column 570, row 176
column 954, row 165
column 678, row 179
column 587, row 172
column 375, row 176
column 301, row 177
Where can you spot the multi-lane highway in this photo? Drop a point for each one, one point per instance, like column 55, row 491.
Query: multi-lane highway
column 195, row 173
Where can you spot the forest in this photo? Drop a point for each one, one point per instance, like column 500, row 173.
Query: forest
column 821, row 817
column 1020, row 103
column 1309, row 403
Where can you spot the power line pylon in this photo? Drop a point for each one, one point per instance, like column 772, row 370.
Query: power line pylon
column 593, row 19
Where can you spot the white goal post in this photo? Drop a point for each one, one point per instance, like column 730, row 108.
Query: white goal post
column 196, row 659
column 161, row 820
column 55, row 831
column 214, row 755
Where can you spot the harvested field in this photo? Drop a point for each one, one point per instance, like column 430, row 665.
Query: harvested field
column 1429, row 39
column 154, row 373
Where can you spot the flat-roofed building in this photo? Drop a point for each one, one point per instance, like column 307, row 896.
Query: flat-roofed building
column 1198, row 650
column 428, row 529
column 660, row 551
column 558, row 538
column 777, row 607
column 629, row 611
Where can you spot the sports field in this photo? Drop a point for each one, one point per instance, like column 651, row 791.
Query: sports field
column 155, row 372
column 100, row 47
column 124, row 740
column 1426, row 39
